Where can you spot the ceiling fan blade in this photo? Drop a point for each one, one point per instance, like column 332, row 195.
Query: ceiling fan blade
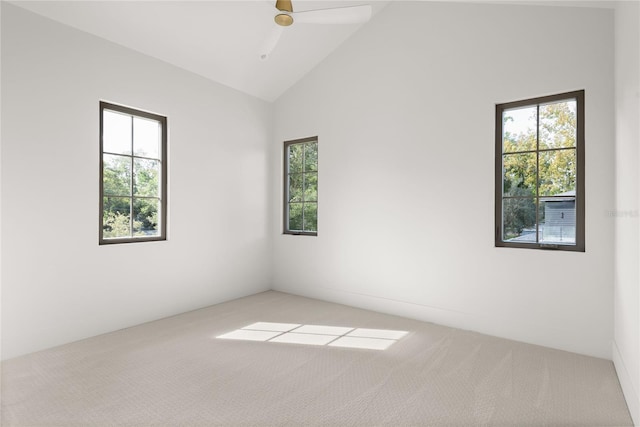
column 339, row 15
column 270, row 42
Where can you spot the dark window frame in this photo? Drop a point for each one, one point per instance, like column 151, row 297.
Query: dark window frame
column 163, row 179
column 285, row 198
column 579, row 245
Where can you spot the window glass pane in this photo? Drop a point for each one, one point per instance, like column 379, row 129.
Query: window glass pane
column 519, row 129
column 296, row 187
column 295, row 157
column 311, row 156
column 295, row 216
column 519, row 220
column 116, row 175
column 519, row 174
column 301, row 185
column 116, row 217
column 310, row 187
column 558, row 124
column 145, row 217
column 146, row 138
column 538, row 145
column 557, row 172
column 116, row 128
column 558, row 220
column 310, row 217
column 146, row 177
column 132, row 174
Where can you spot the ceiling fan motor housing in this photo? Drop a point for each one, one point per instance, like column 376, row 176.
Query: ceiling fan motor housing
column 283, row 19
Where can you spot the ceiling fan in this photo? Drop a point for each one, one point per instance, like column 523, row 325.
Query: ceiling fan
column 285, row 16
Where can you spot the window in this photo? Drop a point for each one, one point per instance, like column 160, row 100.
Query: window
column 133, row 175
column 301, row 186
column 540, row 173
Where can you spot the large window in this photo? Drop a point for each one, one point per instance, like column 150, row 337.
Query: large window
column 540, row 173
column 301, row 186
column 133, row 175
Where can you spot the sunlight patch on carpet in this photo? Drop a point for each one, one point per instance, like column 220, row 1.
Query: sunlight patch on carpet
column 319, row 335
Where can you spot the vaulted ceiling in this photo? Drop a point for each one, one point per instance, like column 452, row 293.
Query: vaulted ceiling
column 220, row 40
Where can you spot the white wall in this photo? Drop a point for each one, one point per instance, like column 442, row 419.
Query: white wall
column 58, row 285
column 626, row 344
column 1, row 3
column 404, row 112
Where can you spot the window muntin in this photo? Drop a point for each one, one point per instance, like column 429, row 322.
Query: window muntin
column 133, row 175
column 301, row 186
column 540, row 173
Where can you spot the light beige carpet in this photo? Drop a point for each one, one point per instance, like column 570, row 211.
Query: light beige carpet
column 174, row 372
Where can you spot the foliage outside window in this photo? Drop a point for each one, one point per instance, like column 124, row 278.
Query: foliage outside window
column 301, row 186
column 540, row 172
column 133, row 175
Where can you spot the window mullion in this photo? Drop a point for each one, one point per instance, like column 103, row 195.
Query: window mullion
column 304, row 176
column 538, row 173
column 132, row 164
column 288, row 197
column 304, row 201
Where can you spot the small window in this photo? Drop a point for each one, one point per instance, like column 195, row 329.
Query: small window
column 540, row 173
column 301, row 186
column 133, row 175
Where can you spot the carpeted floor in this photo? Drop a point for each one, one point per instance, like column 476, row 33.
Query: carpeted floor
column 175, row 372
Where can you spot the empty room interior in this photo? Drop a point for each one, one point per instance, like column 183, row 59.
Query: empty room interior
column 348, row 213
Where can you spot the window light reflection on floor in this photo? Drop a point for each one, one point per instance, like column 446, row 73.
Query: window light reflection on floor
column 333, row 336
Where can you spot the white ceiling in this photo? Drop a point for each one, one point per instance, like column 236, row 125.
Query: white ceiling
column 220, row 40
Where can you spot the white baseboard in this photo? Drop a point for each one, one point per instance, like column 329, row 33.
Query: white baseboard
column 630, row 393
column 572, row 341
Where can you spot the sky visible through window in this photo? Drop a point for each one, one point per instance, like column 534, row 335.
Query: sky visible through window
column 524, row 118
column 118, row 133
